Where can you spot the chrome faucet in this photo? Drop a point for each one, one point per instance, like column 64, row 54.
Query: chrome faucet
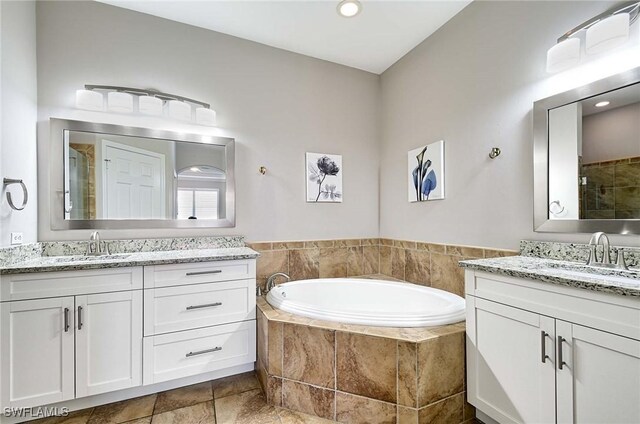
column 95, row 247
column 594, row 242
column 271, row 281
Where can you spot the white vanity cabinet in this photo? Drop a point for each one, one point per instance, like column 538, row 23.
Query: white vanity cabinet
column 543, row 353
column 36, row 352
column 198, row 318
column 108, row 342
column 83, row 342
column 88, row 337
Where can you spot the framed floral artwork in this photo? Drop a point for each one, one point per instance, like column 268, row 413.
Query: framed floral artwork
column 324, row 178
column 425, row 172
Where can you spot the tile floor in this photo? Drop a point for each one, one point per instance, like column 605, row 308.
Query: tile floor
column 232, row 400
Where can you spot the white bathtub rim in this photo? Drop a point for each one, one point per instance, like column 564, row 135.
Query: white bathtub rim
column 451, row 314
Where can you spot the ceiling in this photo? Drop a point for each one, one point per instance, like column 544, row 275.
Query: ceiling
column 375, row 39
column 616, row 98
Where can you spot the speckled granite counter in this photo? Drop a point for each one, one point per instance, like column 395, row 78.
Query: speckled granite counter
column 67, row 263
column 70, row 255
column 570, row 274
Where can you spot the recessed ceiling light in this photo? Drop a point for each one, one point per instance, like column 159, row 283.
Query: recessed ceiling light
column 349, row 8
column 602, row 104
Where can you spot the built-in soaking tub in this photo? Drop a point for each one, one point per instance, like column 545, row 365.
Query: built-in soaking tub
column 368, row 302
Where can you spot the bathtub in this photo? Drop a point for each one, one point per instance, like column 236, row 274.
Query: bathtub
column 368, row 302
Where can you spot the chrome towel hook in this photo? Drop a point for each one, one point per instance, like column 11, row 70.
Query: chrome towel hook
column 7, row 182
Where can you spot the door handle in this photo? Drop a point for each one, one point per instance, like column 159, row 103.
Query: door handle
column 208, row 305
column 79, row 317
column 215, row 271
column 202, row 352
column 543, row 355
column 561, row 362
column 66, row 320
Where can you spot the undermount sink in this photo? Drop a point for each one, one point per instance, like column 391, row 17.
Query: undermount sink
column 60, row 259
column 631, row 278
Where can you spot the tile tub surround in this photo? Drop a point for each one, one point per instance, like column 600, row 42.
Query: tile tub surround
column 361, row 374
column 427, row 264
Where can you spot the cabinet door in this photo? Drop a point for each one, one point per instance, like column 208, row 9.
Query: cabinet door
column 600, row 380
column 108, row 342
column 36, row 352
column 510, row 369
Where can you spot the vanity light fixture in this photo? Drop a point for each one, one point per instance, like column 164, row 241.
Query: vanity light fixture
column 150, row 102
column 205, row 116
column 607, row 34
column 349, row 8
column 178, row 110
column 150, row 105
column 563, row 55
column 601, row 33
column 119, row 102
column 603, row 103
column 89, row 100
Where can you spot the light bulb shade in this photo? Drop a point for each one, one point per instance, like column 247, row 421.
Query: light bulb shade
column 89, row 100
column 607, row 34
column 563, row 55
column 149, row 105
column 178, row 110
column 206, row 116
column 119, row 102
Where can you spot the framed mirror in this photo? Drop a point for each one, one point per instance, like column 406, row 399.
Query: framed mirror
column 108, row 177
column 587, row 158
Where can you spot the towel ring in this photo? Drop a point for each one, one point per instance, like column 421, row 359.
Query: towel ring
column 7, row 182
column 556, row 210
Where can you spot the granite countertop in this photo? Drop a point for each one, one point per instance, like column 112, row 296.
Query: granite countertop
column 570, row 274
column 68, row 263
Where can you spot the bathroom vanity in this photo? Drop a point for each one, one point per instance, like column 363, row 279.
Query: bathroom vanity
column 551, row 341
column 79, row 331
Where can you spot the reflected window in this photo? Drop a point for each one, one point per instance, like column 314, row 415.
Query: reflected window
column 198, row 204
column 198, row 192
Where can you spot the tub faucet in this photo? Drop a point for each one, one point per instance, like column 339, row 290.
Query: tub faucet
column 95, row 247
column 271, row 281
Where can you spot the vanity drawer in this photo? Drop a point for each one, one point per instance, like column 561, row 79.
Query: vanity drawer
column 68, row 283
column 186, row 353
column 180, row 308
column 197, row 273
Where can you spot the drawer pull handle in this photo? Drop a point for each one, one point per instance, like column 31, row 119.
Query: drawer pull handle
column 80, row 318
column 66, row 320
column 215, row 271
column 202, row 352
column 208, row 305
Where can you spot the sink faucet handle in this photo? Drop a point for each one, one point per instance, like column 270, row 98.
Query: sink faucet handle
column 620, row 262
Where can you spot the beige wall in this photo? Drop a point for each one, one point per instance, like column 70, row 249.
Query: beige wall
column 276, row 104
column 18, row 115
column 473, row 84
column 611, row 135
